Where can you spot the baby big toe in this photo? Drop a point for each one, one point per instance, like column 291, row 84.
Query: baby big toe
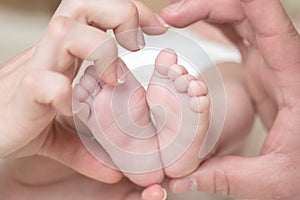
column 164, row 60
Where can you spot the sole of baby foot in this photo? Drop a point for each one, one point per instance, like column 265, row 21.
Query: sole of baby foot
column 124, row 128
column 180, row 106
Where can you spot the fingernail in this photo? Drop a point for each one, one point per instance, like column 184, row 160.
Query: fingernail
column 121, row 73
column 193, row 185
column 165, row 194
column 186, row 185
column 140, row 38
column 161, row 20
column 176, row 6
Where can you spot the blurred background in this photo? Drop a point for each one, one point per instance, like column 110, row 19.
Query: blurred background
column 22, row 23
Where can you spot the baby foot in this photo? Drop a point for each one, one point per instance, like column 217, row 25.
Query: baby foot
column 119, row 119
column 180, row 107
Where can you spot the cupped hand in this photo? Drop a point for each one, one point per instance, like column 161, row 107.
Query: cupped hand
column 36, row 85
column 50, row 177
column 270, row 47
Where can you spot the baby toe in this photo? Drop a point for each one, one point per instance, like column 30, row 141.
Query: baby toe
column 81, row 105
column 197, row 88
column 182, row 82
column 84, row 112
column 89, row 83
column 175, row 71
column 199, row 104
column 91, row 70
column 80, row 93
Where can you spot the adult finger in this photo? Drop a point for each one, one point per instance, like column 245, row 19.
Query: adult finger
column 150, row 22
column 154, row 192
column 118, row 14
column 277, row 38
column 43, row 93
column 125, row 18
column 66, row 39
column 183, row 13
column 247, row 178
column 37, row 99
column 65, row 147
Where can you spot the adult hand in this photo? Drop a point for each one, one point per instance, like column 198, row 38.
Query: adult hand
column 36, row 85
column 50, row 177
column 270, row 47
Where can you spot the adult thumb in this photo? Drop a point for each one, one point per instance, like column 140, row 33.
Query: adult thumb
column 247, row 178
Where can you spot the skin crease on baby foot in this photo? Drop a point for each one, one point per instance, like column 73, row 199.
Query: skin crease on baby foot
column 180, row 106
column 119, row 119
